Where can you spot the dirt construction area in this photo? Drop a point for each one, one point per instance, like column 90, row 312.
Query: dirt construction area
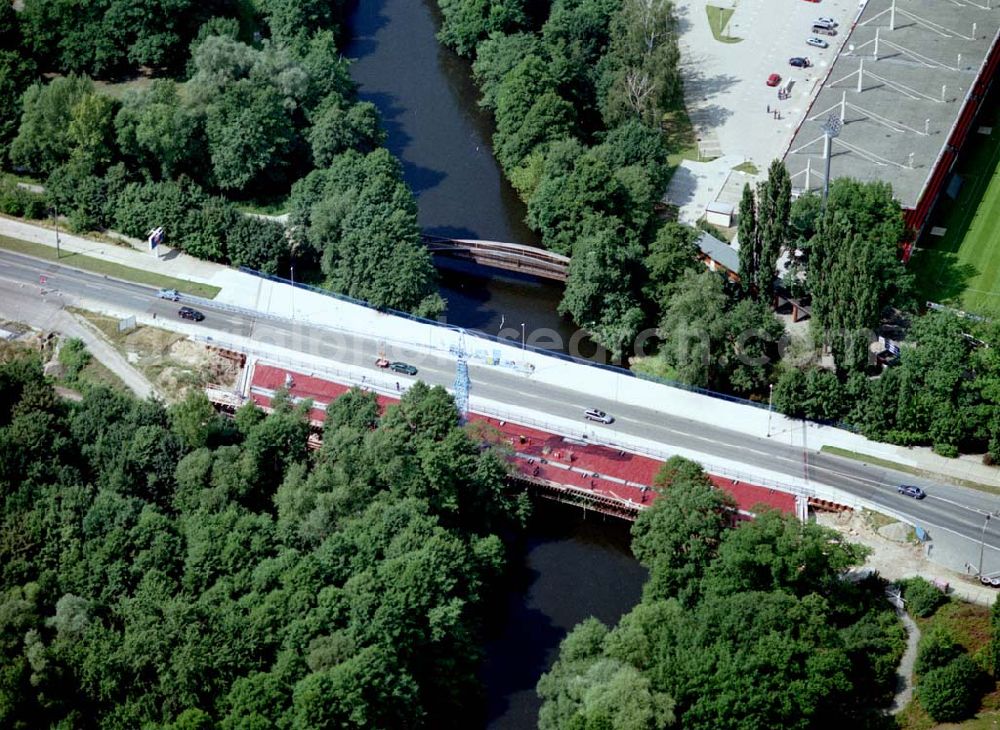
column 172, row 363
column 896, row 553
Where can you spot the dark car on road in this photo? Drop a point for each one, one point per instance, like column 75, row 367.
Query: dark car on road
column 911, row 491
column 403, row 367
column 193, row 314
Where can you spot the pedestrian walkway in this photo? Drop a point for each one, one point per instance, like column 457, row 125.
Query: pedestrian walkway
column 73, row 326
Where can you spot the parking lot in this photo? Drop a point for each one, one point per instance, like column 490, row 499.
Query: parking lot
column 725, row 83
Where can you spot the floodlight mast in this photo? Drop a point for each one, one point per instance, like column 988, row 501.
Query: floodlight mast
column 831, row 129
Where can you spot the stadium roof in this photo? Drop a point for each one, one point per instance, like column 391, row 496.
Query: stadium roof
column 917, row 64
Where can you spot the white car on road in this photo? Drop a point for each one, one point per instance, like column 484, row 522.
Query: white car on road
column 593, row 414
column 817, row 42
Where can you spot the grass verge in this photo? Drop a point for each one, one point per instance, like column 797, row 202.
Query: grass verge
column 718, row 19
column 748, row 167
column 887, row 464
column 108, row 268
column 876, row 520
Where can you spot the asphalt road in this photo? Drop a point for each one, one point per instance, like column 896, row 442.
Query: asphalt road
column 957, row 510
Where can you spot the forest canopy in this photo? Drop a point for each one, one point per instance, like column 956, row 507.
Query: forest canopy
column 163, row 567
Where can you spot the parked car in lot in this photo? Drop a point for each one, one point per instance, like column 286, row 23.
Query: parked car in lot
column 193, row 314
column 991, row 581
column 402, row 367
column 594, row 414
column 828, row 22
column 799, row 62
column 812, row 1
column 773, row 80
column 911, row 491
column 171, row 294
column 823, row 30
column 817, row 42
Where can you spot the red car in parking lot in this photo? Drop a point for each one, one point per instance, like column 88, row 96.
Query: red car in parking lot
column 773, row 80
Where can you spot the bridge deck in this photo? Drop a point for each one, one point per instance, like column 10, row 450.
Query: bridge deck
column 500, row 255
column 596, row 477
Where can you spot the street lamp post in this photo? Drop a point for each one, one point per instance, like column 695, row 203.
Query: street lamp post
column 522, row 335
column 55, row 224
column 831, row 130
column 770, row 408
column 982, row 543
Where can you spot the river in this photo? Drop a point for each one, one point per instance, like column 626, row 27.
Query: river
column 569, row 566
column 572, row 565
column 427, row 100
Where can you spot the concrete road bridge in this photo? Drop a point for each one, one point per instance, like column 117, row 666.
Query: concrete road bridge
column 497, row 254
column 527, row 386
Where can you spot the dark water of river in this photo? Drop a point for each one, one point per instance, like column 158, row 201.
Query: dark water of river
column 428, row 104
column 570, row 566
column 574, row 565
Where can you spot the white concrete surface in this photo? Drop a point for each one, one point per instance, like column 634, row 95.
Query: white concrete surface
column 725, row 92
column 725, row 82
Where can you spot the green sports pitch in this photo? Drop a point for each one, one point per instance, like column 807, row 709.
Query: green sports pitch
column 962, row 267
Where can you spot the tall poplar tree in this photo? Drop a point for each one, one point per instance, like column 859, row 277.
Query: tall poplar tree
column 749, row 242
column 774, row 203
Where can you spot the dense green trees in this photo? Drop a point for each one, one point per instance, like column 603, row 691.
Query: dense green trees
column 745, row 627
column 854, row 267
column 466, row 22
column 943, row 392
column 578, row 96
column 600, row 292
column 110, row 36
column 640, row 77
column 359, row 219
column 711, row 340
column 248, row 133
column 951, row 693
column 670, row 254
column 17, row 71
column 166, row 568
column 44, row 141
column 995, row 638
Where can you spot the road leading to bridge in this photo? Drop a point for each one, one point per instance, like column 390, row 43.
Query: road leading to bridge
column 956, row 510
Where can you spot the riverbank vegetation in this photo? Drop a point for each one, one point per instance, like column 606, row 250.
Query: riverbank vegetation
column 579, row 90
column 752, row 626
column 238, row 102
column 168, row 568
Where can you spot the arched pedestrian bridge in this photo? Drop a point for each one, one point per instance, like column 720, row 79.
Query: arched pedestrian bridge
column 509, row 256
